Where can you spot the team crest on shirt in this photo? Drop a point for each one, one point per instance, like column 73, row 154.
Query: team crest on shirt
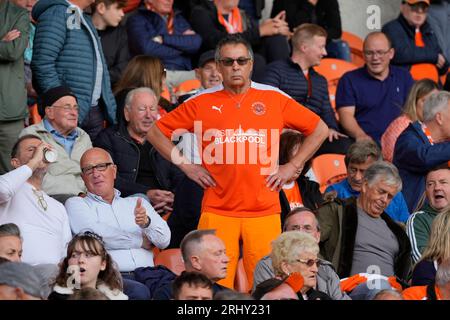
column 259, row 108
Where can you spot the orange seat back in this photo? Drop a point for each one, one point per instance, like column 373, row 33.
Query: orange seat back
column 131, row 5
column 424, row 70
column 172, row 259
column 333, row 69
column 332, row 95
column 328, row 169
column 166, row 93
column 356, row 47
column 240, row 281
column 187, row 86
column 443, row 78
column 35, row 117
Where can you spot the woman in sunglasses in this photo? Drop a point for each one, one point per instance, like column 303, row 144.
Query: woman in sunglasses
column 87, row 265
column 295, row 251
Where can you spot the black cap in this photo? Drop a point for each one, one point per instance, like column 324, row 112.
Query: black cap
column 54, row 94
column 206, row 57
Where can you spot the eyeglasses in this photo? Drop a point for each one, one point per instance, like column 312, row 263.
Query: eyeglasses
column 378, row 53
column 78, row 254
column 41, row 201
column 228, row 62
column 309, row 262
column 305, row 228
column 100, row 167
column 68, row 107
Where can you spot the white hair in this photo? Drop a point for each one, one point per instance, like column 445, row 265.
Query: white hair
column 437, row 102
column 131, row 94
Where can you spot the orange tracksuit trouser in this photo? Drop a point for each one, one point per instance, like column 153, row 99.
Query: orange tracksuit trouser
column 256, row 234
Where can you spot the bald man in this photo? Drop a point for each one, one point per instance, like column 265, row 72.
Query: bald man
column 130, row 226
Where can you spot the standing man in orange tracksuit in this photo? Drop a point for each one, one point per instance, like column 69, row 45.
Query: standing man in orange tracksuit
column 239, row 124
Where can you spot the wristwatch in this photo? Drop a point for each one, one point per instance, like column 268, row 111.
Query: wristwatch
column 148, row 223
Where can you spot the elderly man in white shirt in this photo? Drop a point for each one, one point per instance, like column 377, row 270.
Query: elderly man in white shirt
column 42, row 220
column 129, row 226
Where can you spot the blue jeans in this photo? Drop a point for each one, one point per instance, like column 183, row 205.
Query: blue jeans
column 338, row 49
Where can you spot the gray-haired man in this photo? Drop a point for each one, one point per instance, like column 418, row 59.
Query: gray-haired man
column 423, row 146
column 140, row 168
column 357, row 236
column 21, row 281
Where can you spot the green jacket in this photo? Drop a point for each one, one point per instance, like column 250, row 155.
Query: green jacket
column 63, row 176
column 13, row 94
column 338, row 222
column 418, row 229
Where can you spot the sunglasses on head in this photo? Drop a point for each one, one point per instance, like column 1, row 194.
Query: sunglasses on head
column 228, row 62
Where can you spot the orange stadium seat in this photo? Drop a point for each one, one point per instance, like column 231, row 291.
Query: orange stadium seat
column 333, row 69
column 356, row 47
column 131, row 5
column 328, row 169
column 35, row 117
column 187, row 86
column 424, row 70
column 443, row 78
column 171, row 258
column 240, row 281
column 332, row 94
column 166, row 93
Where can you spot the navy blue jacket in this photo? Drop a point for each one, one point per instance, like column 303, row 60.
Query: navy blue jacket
column 155, row 278
column 288, row 77
column 63, row 53
column 176, row 49
column 414, row 156
column 424, row 273
column 402, row 36
column 125, row 154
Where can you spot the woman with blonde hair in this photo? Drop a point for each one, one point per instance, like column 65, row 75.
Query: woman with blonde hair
column 295, row 251
column 412, row 111
column 141, row 71
column 437, row 250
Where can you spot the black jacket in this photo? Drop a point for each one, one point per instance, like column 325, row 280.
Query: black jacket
column 206, row 24
column 326, row 14
column 402, row 36
column 338, row 221
column 115, row 47
column 310, row 193
column 314, row 294
column 125, row 153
